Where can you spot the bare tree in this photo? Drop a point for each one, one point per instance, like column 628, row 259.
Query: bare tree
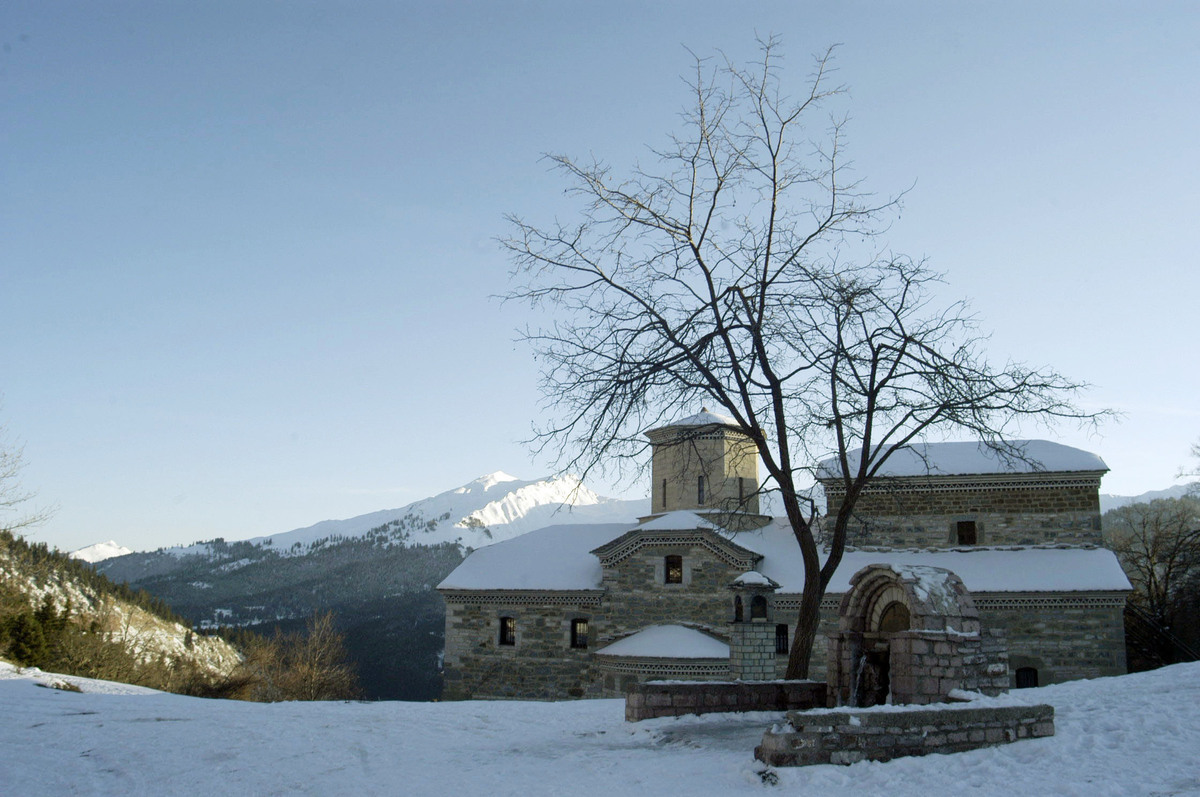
column 295, row 666
column 1195, row 471
column 742, row 272
column 1158, row 544
column 13, row 497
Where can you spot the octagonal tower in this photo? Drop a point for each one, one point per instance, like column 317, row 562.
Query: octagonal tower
column 701, row 462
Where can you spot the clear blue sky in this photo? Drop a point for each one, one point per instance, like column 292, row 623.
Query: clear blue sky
column 247, row 248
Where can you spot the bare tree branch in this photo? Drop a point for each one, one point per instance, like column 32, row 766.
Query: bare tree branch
column 734, row 275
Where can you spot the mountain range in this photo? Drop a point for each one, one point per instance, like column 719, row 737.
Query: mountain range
column 376, row 572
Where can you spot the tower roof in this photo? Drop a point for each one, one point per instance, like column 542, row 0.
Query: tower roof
column 701, row 418
column 705, row 418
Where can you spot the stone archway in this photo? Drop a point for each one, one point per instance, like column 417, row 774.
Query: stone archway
column 906, row 634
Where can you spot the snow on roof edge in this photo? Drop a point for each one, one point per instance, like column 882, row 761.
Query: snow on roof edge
column 975, row 458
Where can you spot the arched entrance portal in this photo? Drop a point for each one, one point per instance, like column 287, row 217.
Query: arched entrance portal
column 906, row 634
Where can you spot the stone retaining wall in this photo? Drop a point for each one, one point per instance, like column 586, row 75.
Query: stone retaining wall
column 675, row 698
column 847, row 736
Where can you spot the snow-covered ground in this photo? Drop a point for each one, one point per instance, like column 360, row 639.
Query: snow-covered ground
column 1138, row 734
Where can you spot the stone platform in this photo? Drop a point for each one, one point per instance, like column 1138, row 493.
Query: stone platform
column 845, row 736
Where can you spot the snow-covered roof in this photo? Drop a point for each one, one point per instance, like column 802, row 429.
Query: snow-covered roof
column 680, row 519
column 982, row 569
column 560, row 558
column 971, row 458
column 556, row 557
column 668, row 642
column 753, row 578
column 705, row 418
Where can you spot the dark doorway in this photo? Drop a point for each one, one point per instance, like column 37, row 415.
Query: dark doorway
column 874, row 680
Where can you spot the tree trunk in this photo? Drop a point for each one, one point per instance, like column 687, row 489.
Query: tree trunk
column 806, row 630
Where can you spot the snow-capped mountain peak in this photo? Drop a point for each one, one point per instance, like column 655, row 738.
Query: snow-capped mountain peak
column 487, row 482
column 100, row 551
column 494, row 507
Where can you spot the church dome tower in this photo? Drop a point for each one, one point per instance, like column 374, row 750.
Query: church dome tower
column 703, row 462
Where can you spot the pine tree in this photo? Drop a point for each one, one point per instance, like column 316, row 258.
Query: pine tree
column 26, row 641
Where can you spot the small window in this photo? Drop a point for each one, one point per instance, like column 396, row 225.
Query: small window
column 758, row 608
column 508, row 631
column 664, row 494
column 579, row 632
column 1027, row 677
column 700, row 490
column 738, row 613
column 781, row 639
column 967, row 533
column 741, row 489
column 673, row 569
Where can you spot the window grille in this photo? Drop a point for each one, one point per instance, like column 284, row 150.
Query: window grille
column 673, row 569
column 579, row 632
column 508, row 631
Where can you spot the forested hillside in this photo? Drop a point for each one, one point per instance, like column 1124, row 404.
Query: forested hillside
column 379, row 590
column 58, row 613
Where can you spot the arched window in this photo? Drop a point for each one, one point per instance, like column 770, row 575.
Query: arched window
column 758, row 608
column 673, row 569
column 738, row 615
column 894, row 618
column 1027, row 677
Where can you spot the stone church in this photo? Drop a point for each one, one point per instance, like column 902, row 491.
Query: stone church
column 706, row 588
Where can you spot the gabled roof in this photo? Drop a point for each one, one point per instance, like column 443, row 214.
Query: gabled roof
column 968, row 459
column 668, row 642
column 676, row 528
column 553, row 558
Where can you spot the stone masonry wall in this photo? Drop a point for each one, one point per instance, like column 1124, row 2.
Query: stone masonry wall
column 1020, row 514
column 721, row 456
column 926, row 666
column 541, row 665
column 636, row 596
column 650, row 700
column 752, row 651
column 847, row 736
column 787, row 612
column 1063, row 638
